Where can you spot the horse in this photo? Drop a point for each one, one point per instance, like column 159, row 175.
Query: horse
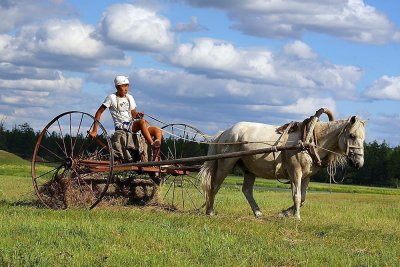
column 340, row 142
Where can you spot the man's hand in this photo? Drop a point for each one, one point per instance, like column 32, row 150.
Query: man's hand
column 140, row 115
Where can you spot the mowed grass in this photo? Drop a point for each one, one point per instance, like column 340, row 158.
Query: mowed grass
column 337, row 229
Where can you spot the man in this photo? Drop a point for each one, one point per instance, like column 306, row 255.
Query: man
column 123, row 111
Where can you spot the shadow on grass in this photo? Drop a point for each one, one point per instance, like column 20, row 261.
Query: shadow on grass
column 22, row 203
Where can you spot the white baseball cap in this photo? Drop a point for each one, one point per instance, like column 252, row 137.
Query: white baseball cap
column 120, row 79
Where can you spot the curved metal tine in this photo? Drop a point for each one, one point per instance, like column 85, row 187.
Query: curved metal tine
column 77, row 133
column 62, row 137
column 194, row 137
column 178, row 128
column 80, row 187
column 88, row 186
column 170, row 153
column 43, row 174
column 183, row 141
column 173, row 192
column 174, row 141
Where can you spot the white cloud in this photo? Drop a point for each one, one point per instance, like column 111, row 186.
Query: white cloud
column 66, row 85
column 192, row 26
column 63, row 44
column 136, row 28
column 14, row 13
column 347, row 19
column 297, row 67
column 299, row 50
column 307, row 106
column 385, row 88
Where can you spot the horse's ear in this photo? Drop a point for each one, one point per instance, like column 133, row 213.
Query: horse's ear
column 353, row 119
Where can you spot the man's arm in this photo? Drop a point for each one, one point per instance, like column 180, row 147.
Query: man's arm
column 101, row 109
column 137, row 115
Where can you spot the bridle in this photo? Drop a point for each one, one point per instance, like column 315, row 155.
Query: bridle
column 350, row 149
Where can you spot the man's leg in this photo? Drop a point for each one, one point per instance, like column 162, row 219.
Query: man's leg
column 156, row 133
column 142, row 126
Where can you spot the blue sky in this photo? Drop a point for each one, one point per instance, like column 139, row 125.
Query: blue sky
column 205, row 63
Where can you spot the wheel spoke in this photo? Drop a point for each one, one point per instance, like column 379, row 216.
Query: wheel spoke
column 195, row 186
column 56, row 168
column 62, row 138
column 166, row 194
column 70, row 134
column 190, row 197
column 77, row 133
column 51, row 152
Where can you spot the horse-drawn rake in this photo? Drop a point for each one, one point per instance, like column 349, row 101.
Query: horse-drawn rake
column 70, row 169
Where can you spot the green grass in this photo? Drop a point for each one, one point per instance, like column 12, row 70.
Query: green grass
column 337, row 229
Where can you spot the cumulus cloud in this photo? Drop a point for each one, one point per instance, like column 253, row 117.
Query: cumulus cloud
column 220, row 59
column 136, row 28
column 385, row 88
column 66, row 44
column 192, row 26
column 351, row 20
column 41, row 96
column 15, row 13
column 308, row 105
column 299, row 50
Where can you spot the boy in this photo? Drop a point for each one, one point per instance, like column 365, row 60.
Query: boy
column 123, row 111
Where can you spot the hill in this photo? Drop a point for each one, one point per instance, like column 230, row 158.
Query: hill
column 10, row 158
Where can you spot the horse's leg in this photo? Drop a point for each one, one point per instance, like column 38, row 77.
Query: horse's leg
column 296, row 195
column 247, row 190
column 224, row 168
column 304, row 186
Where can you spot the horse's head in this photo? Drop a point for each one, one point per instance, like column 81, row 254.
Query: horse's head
column 351, row 142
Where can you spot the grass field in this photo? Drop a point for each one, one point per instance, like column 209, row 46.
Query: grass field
column 361, row 228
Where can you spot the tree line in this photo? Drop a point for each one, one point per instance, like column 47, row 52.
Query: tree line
column 381, row 167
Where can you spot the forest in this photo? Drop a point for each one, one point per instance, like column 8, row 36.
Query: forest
column 381, row 168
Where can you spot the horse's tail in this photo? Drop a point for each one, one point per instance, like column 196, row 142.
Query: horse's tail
column 208, row 170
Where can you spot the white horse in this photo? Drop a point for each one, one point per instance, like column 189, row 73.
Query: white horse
column 338, row 142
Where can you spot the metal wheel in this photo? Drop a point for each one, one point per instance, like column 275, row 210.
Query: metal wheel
column 182, row 192
column 69, row 169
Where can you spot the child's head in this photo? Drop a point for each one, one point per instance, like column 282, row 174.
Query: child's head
column 122, row 85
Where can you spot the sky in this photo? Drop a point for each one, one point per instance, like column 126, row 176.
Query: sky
column 206, row 63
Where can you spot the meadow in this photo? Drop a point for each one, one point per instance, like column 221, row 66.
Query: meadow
column 341, row 225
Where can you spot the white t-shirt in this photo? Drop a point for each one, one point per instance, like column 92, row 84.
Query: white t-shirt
column 120, row 109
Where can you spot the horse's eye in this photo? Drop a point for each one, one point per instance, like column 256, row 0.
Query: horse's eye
column 352, row 136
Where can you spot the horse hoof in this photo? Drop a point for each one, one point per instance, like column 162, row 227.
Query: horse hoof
column 285, row 214
column 211, row 213
column 258, row 214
